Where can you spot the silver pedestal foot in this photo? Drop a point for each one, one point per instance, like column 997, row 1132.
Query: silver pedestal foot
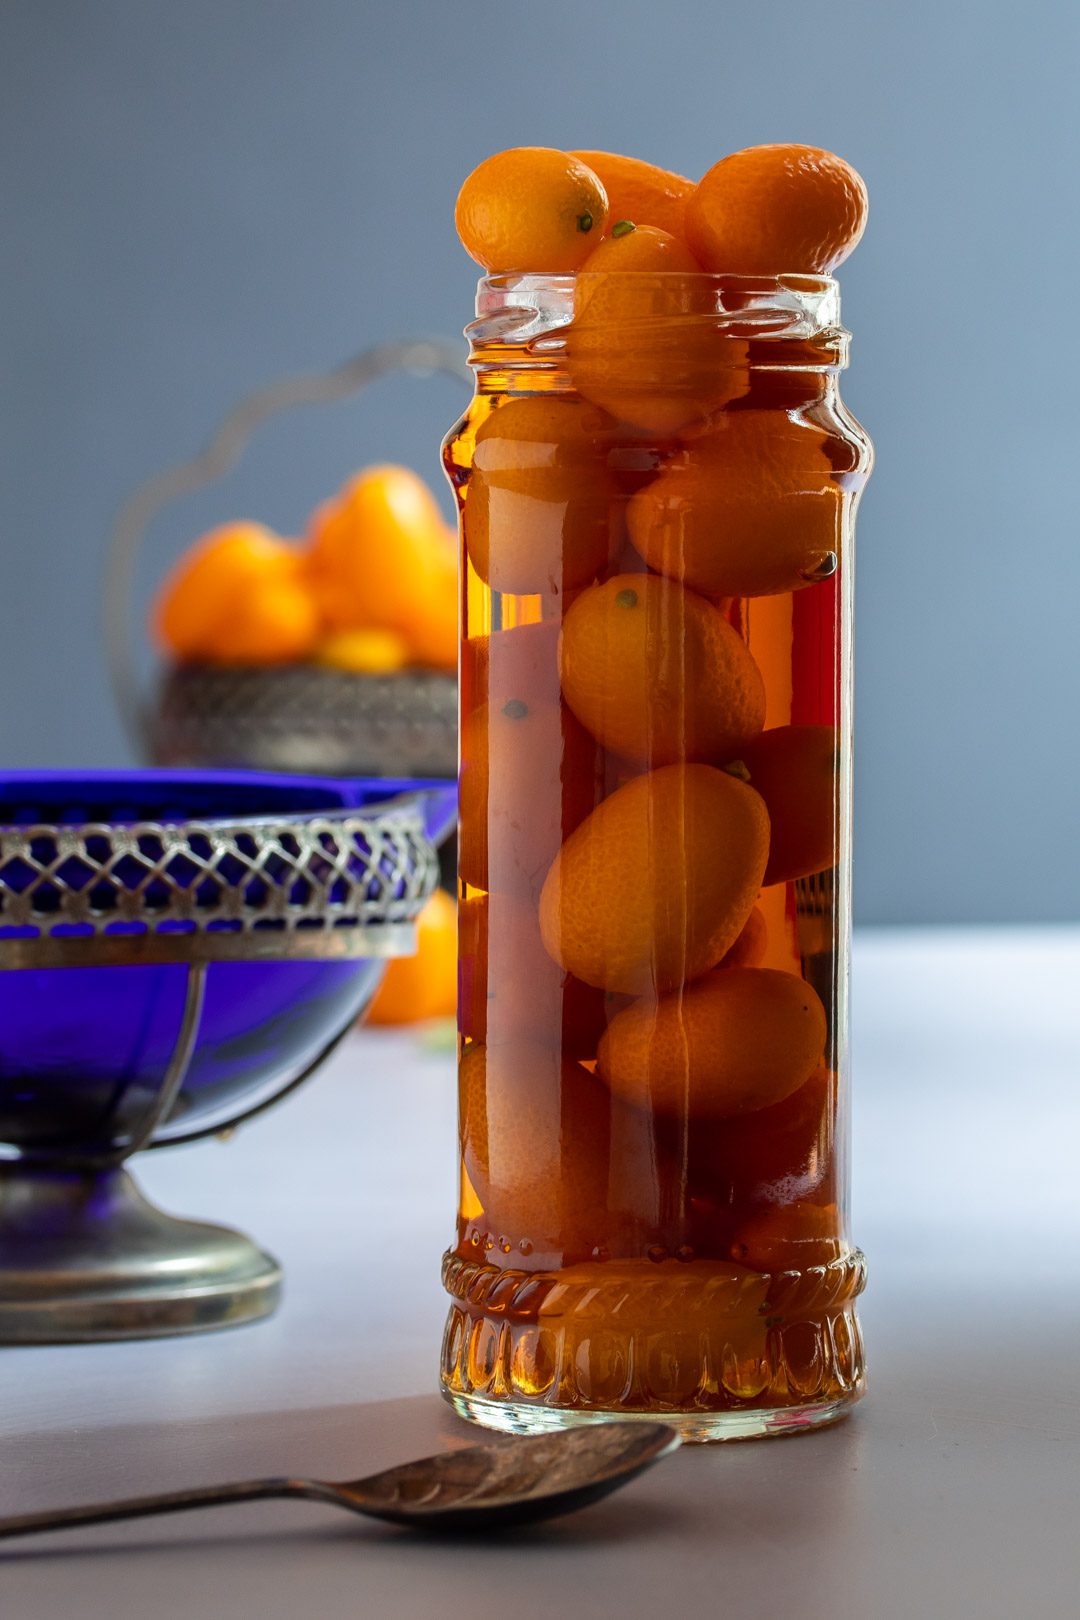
column 85, row 1256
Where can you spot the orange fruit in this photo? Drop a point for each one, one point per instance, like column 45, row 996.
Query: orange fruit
column 629, row 561
column 423, row 985
column 633, row 247
column 363, row 652
column 381, row 557
column 644, row 342
column 737, row 1040
column 640, row 191
column 750, row 947
column 540, row 511
column 782, row 947
column 535, row 1132
column 657, row 883
column 510, row 989
column 369, row 543
column 432, row 633
column 238, row 596
column 275, row 621
column 776, row 1155
column 529, row 776
column 521, row 662
column 789, row 1237
column 794, row 768
column 750, row 509
column 770, row 210
column 531, row 208
column 657, row 674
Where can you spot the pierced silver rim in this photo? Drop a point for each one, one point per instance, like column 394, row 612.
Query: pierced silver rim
column 332, row 886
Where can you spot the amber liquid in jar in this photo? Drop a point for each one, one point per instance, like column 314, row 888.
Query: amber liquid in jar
column 654, row 875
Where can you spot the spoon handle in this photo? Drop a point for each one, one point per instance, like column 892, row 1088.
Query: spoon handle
column 139, row 1507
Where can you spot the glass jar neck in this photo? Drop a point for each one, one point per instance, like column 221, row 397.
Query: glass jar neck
column 785, row 322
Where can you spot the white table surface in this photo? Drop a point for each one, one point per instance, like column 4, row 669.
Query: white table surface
column 953, row 1490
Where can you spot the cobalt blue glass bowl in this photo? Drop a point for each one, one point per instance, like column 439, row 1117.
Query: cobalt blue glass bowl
column 178, row 949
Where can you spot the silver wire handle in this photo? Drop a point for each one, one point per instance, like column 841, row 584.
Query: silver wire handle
column 420, row 357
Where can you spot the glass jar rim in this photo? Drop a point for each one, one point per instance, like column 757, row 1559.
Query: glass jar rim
column 520, row 306
column 795, row 280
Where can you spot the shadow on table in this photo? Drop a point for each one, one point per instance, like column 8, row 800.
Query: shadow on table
column 701, row 1489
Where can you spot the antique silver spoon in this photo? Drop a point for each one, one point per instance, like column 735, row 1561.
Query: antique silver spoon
column 498, row 1484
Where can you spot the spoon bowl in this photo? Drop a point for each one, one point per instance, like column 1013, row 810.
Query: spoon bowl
column 518, row 1482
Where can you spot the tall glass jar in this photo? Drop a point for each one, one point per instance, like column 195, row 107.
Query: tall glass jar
column 657, row 484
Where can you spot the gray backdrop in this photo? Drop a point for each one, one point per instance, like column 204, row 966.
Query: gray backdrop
column 202, row 196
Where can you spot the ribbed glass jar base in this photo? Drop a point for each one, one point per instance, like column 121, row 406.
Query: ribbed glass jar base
column 718, row 1352
column 696, row 1428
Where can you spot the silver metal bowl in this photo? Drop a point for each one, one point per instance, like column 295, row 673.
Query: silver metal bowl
column 299, row 718
column 302, row 718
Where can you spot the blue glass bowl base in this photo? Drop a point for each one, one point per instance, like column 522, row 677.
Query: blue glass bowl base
column 83, row 1051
